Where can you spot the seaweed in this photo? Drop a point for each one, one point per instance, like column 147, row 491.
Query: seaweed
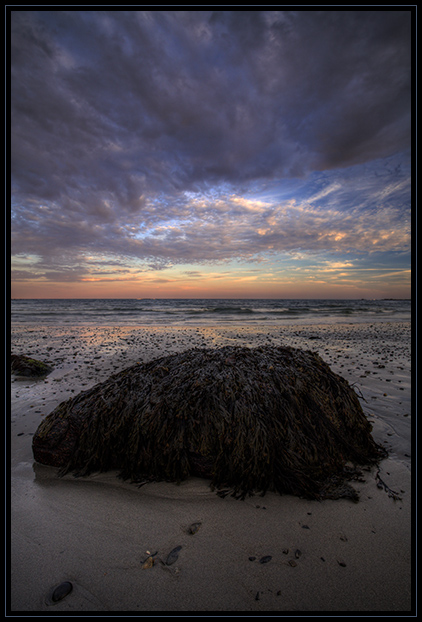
column 248, row 419
column 29, row 367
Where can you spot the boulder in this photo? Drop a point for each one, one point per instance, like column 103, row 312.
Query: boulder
column 248, row 419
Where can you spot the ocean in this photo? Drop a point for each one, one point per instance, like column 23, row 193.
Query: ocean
column 203, row 312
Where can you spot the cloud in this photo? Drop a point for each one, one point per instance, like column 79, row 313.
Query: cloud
column 113, row 101
column 354, row 215
column 141, row 133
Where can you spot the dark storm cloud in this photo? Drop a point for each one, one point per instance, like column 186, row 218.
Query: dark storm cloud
column 115, row 114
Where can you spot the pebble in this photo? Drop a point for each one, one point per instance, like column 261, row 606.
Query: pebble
column 265, row 559
column 173, row 556
column 61, row 591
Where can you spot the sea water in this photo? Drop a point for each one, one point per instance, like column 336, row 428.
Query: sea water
column 204, row 312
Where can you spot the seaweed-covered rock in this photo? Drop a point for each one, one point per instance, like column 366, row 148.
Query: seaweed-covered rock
column 26, row 366
column 251, row 419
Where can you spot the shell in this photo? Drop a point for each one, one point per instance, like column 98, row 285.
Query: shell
column 192, row 529
column 148, row 563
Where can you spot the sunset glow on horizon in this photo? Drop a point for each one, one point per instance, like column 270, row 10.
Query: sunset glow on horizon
column 211, row 154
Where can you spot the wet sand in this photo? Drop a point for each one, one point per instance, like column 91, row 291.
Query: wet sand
column 97, row 531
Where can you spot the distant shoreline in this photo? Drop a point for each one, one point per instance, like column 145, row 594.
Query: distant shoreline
column 199, row 298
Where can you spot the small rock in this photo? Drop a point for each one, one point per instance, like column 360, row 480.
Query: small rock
column 61, row 591
column 265, row 559
column 29, row 367
column 173, row 556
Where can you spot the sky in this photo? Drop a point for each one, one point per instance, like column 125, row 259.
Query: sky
column 219, row 154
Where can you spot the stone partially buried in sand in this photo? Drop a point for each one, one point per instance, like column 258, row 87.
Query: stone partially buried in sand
column 29, row 367
column 251, row 419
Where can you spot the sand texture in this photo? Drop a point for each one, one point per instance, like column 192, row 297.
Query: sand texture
column 170, row 548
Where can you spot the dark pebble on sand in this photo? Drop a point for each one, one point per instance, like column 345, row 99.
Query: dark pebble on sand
column 173, row 556
column 61, row 591
column 265, row 559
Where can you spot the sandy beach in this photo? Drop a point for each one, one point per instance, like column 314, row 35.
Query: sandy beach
column 264, row 554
